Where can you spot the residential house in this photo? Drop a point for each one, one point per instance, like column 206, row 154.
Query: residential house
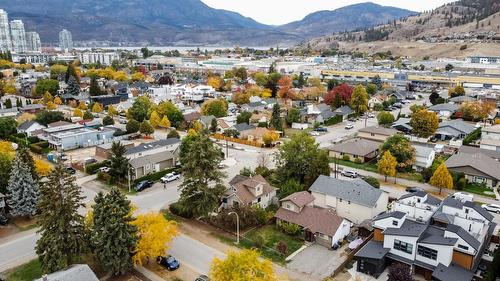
column 460, row 99
column 249, row 191
column 8, row 112
column 153, row 157
column 66, row 136
column 354, row 200
column 104, row 150
column 440, row 240
column 360, row 150
column 454, row 129
column 253, row 106
column 76, row 272
column 191, row 117
column 478, row 167
column 243, row 128
column 106, row 100
column 424, row 156
column 320, row 225
column 402, row 125
column 28, row 127
column 375, row 99
column 206, row 121
column 32, row 108
column 345, row 111
column 256, row 134
column 376, row 133
column 444, row 110
column 490, row 138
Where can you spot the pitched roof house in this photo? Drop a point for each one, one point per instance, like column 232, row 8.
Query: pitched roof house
column 361, row 149
column 454, row 129
column 376, row 133
column 245, row 191
column 477, row 167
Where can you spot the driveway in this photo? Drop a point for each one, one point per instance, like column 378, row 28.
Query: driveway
column 318, row 261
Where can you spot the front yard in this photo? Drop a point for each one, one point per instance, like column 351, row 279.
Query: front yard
column 372, row 167
column 266, row 239
column 479, row 190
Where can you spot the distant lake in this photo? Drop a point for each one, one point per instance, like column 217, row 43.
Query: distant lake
column 182, row 49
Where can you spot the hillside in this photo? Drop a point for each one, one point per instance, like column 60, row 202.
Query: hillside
column 472, row 22
column 346, row 18
column 186, row 22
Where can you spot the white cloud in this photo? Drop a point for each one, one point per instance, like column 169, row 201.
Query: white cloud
column 285, row 11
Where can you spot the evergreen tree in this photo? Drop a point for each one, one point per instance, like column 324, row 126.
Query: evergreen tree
column 70, row 72
column 22, row 190
column 213, row 126
column 73, row 87
column 94, row 89
column 146, row 128
column 28, row 160
column 119, row 163
column 113, row 236
column 63, row 235
column 276, row 122
column 8, row 103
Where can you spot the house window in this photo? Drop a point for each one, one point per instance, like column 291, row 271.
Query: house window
column 258, row 200
column 349, row 202
column 148, row 166
column 372, row 134
column 395, row 223
column 403, row 246
column 466, row 210
column 427, row 252
column 288, row 206
column 463, row 247
column 340, row 199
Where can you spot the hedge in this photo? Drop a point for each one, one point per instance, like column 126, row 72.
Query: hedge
column 472, row 137
column 38, row 147
column 156, row 176
column 333, row 120
column 94, row 167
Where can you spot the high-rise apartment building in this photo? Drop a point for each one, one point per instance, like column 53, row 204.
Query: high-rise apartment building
column 34, row 43
column 65, row 40
column 5, row 43
column 18, row 36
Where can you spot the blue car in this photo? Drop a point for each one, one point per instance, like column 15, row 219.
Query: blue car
column 169, row 262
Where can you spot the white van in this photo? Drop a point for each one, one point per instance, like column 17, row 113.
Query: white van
column 463, row 196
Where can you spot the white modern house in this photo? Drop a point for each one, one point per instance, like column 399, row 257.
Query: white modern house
column 490, row 138
column 424, row 157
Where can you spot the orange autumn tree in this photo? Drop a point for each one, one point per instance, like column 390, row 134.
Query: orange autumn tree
column 285, row 88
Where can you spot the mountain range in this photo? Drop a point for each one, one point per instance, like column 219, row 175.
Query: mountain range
column 186, row 22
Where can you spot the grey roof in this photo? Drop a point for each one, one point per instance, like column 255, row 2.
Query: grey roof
column 402, row 122
column 408, row 228
column 478, row 161
column 458, row 125
column 379, row 130
column 77, row 272
column 452, row 272
column 237, row 179
column 327, row 114
column 452, row 202
column 474, row 149
column 418, row 193
column 461, row 99
column 372, row 250
column 344, row 110
column 395, row 214
column 431, row 200
column 25, row 125
column 7, row 110
column 243, row 127
column 443, row 217
column 357, row 146
column 32, row 106
column 151, row 159
column 444, row 107
column 207, row 120
column 357, row 191
column 435, row 235
column 152, row 145
column 480, row 210
column 423, row 151
column 473, row 242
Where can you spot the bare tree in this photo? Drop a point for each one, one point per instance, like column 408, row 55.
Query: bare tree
column 263, row 160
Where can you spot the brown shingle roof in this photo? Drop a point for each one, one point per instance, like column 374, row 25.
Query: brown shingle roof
column 379, row 130
column 361, row 147
column 324, row 221
column 242, row 188
column 299, row 198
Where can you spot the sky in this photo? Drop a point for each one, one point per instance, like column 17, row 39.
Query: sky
column 277, row 12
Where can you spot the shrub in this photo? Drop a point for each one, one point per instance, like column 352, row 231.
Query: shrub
column 461, row 184
column 373, row 182
column 346, row 158
column 378, row 107
column 177, row 209
column 156, row 176
column 263, row 216
column 282, row 248
column 334, row 120
column 290, row 228
column 260, row 240
column 357, row 160
column 92, row 168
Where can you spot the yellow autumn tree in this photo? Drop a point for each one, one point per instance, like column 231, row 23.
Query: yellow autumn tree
column 215, row 82
column 192, row 132
column 269, row 137
column 82, row 105
column 138, row 76
column 155, row 234
column 387, row 164
column 442, row 178
column 97, row 107
column 120, row 76
column 47, row 97
column 6, row 148
column 266, row 93
column 112, row 111
column 51, row 105
column 42, row 167
column 154, row 119
column 78, row 112
column 197, row 126
column 57, row 100
column 244, row 265
column 165, row 123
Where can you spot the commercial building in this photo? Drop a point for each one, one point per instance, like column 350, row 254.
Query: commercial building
column 5, row 42
column 104, row 58
column 65, row 41
column 18, row 36
column 33, row 42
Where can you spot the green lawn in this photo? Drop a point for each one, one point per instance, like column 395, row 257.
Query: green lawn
column 272, row 236
column 479, row 189
column 372, row 167
column 290, row 132
column 26, row 272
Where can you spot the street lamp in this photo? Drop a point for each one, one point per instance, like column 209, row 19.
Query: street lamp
column 237, row 227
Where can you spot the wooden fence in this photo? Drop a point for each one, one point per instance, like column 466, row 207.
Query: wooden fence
column 350, row 256
column 236, row 140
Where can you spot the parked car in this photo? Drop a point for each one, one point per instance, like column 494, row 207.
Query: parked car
column 70, row 170
column 413, row 189
column 143, row 185
column 397, row 105
column 170, row 177
column 494, row 208
column 349, row 174
column 314, row 133
column 463, row 196
column 349, row 126
column 3, row 220
column 122, row 120
column 370, row 115
column 321, row 129
column 63, row 157
column 169, row 262
column 89, row 160
column 352, row 119
column 104, row 169
column 202, row 278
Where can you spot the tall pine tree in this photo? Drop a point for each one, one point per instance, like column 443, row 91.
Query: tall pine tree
column 73, row 86
column 276, row 122
column 94, row 89
column 70, row 72
column 113, row 236
column 28, row 159
column 119, row 163
column 22, row 190
column 63, row 234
